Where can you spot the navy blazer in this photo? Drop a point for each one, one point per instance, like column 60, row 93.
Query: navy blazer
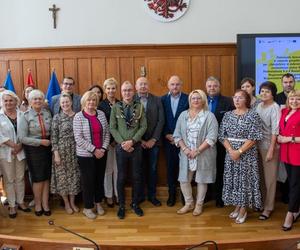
column 224, row 104
column 170, row 120
column 55, row 106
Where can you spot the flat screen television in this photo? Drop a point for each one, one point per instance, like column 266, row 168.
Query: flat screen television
column 267, row 57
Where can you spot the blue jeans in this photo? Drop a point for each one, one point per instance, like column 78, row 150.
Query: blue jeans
column 150, row 158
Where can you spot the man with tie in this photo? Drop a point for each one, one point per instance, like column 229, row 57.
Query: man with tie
column 150, row 140
column 219, row 105
column 127, row 125
column 174, row 103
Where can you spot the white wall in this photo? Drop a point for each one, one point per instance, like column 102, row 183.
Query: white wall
column 28, row 23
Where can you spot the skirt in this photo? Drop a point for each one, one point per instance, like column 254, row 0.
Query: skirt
column 39, row 161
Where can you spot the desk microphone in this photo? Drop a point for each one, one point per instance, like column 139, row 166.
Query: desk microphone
column 51, row 223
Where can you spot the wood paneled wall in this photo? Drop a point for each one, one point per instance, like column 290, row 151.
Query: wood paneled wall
column 93, row 64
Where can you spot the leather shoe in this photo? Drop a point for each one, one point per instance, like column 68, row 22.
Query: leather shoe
column 121, row 213
column 185, row 209
column 39, row 213
column 171, row 201
column 155, row 201
column 26, row 209
column 47, row 213
column 219, row 203
column 138, row 211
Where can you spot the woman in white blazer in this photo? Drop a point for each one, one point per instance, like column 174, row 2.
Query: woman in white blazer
column 12, row 156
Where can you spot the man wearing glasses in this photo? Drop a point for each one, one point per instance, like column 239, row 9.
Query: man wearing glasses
column 67, row 86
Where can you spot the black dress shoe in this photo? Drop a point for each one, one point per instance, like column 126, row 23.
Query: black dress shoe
column 26, row 210
column 39, row 213
column 12, row 216
column 171, row 201
column 287, row 228
column 155, row 201
column 47, row 213
column 121, row 212
column 138, row 211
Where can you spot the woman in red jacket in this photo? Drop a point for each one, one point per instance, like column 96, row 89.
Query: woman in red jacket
column 289, row 139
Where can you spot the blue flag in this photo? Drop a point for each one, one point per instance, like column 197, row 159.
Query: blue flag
column 8, row 84
column 53, row 88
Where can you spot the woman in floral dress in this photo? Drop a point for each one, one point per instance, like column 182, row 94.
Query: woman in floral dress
column 65, row 179
column 239, row 131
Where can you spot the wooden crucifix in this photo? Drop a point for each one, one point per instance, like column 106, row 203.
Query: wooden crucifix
column 54, row 10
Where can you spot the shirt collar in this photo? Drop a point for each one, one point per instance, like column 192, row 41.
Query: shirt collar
column 176, row 96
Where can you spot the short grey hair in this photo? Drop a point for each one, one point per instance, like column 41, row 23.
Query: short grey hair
column 213, row 79
column 35, row 94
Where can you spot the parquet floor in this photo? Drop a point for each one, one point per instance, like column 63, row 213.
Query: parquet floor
column 159, row 226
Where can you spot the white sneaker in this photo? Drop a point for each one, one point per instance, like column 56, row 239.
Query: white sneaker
column 89, row 213
column 100, row 209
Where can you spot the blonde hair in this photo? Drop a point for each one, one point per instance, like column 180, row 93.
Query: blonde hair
column 88, row 95
column 110, row 81
column 203, row 98
column 11, row 94
column 293, row 93
column 65, row 94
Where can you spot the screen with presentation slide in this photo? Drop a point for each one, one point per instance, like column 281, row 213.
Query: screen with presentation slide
column 267, row 57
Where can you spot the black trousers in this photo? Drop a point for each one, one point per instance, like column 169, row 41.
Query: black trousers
column 294, row 185
column 92, row 179
column 134, row 159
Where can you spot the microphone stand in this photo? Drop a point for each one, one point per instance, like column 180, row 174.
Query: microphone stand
column 51, row 223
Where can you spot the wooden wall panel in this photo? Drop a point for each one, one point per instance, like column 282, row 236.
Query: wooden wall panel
column 139, row 62
column 112, row 70
column 198, row 72
column 213, row 67
column 70, row 70
column 160, row 70
column 84, row 75
column 3, row 71
column 227, row 75
column 98, row 70
column 43, row 74
column 17, row 76
column 126, row 69
column 57, row 65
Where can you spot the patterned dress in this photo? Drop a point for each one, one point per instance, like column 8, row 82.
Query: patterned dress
column 65, row 179
column 241, row 178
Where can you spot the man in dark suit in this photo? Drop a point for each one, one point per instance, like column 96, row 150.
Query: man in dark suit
column 218, row 105
column 67, row 86
column 174, row 103
column 150, row 140
column 288, row 84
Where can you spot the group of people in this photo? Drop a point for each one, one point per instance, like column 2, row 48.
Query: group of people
column 86, row 144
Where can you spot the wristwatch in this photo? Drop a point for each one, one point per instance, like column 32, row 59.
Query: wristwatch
column 293, row 139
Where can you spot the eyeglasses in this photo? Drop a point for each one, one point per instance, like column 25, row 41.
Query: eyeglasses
column 238, row 98
column 68, row 84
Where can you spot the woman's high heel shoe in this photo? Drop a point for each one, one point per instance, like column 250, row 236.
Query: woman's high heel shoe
column 241, row 220
column 234, row 214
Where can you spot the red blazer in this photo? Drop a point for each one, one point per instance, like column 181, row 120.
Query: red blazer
column 290, row 152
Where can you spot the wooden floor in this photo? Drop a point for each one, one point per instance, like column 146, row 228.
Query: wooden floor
column 159, row 226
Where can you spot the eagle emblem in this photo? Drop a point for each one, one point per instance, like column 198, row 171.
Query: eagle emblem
column 167, row 10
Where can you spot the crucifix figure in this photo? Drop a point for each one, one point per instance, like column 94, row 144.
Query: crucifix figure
column 54, row 10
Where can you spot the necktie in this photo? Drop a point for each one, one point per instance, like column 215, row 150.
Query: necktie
column 210, row 105
column 128, row 114
column 42, row 125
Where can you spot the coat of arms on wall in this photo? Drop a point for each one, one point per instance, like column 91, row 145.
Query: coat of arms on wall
column 166, row 10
